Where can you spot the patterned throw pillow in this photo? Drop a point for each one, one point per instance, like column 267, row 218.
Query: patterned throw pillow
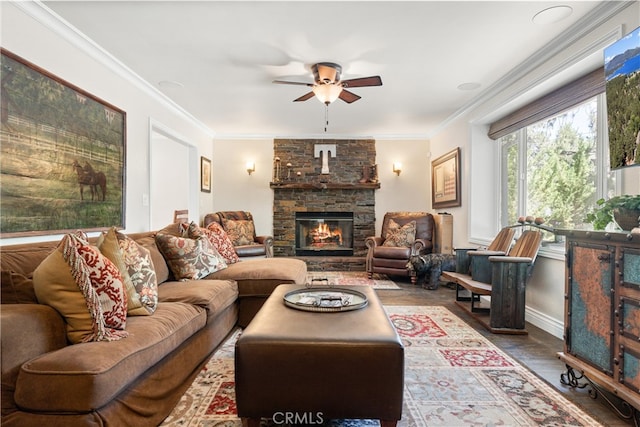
column 190, row 258
column 218, row 238
column 240, row 232
column 86, row 288
column 398, row 236
column 140, row 268
column 109, row 247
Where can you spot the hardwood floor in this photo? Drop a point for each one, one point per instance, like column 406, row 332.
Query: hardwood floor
column 537, row 350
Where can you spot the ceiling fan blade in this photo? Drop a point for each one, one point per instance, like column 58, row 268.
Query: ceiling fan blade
column 284, row 82
column 305, row 97
column 362, row 81
column 348, row 97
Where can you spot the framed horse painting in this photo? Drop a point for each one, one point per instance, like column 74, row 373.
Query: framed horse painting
column 63, row 155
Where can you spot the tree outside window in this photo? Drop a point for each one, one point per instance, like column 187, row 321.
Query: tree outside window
column 551, row 168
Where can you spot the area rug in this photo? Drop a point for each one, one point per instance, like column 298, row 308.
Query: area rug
column 453, row 377
column 350, row 278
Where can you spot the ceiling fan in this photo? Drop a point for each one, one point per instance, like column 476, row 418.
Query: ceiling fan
column 328, row 87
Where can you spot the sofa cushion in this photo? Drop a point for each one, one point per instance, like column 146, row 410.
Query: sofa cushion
column 16, row 288
column 60, row 381
column 190, row 258
column 24, row 258
column 212, row 295
column 85, row 288
column 109, row 247
column 400, row 236
column 241, row 232
column 28, row 330
column 392, row 253
column 260, row 276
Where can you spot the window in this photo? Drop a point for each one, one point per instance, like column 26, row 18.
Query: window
column 557, row 168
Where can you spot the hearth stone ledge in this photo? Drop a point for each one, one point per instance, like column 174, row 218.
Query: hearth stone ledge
column 333, row 263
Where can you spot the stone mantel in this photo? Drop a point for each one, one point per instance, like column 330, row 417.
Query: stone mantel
column 325, row 186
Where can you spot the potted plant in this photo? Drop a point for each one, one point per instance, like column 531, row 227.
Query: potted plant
column 624, row 210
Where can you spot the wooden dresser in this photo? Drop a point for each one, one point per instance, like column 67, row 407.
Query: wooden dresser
column 602, row 316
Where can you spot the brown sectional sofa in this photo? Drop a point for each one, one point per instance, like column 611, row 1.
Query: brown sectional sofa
column 133, row 381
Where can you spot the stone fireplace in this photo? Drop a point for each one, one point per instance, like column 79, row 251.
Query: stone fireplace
column 301, row 184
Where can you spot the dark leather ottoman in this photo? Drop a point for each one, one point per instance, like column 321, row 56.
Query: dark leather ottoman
column 299, row 367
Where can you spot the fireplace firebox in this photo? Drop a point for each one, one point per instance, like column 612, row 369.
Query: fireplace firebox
column 324, row 233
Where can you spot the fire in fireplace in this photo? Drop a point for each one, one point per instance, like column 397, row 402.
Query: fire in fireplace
column 324, row 233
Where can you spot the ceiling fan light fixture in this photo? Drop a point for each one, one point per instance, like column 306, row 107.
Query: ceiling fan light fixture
column 327, row 93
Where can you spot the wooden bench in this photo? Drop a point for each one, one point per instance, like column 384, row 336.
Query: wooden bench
column 500, row 276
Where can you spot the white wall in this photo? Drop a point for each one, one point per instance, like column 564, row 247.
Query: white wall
column 411, row 191
column 28, row 31
column 481, row 172
column 234, row 189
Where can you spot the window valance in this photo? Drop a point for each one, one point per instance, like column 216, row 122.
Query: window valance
column 551, row 104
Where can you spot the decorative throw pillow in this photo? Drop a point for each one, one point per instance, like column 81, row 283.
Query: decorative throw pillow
column 109, row 247
column 240, row 232
column 218, row 237
column 190, row 258
column 142, row 271
column 85, row 288
column 399, row 236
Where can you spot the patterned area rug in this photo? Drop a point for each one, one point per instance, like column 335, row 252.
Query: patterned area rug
column 453, row 377
column 350, row 278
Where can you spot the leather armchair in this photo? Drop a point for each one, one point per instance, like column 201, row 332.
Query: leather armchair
column 254, row 246
column 393, row 260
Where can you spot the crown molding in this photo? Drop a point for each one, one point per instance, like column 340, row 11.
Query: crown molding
column 47, row 17
column 380, row 137
column 580, row 29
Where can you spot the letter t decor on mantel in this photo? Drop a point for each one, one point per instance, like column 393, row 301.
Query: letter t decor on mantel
column 325, row 151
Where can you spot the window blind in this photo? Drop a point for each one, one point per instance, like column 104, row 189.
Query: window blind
column 551, row 104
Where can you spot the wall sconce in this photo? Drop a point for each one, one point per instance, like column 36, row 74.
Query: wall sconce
column 251, row 167
column 397, row 168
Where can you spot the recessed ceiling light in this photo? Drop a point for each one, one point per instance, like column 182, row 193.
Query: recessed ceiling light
column 552, row 14
column 469, row 86
column 166, row 84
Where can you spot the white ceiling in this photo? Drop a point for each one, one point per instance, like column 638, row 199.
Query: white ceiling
column 225, row 55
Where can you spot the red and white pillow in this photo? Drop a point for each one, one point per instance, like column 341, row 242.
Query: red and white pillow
column 218, row 237
column 86, row 288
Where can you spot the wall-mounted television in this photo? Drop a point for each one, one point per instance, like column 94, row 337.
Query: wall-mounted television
column 622, row 74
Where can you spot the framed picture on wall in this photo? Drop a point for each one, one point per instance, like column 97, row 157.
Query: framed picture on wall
column 205, row 175
column 445, row 180
column 63, row 154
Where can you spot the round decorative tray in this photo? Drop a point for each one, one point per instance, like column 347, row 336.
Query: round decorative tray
column 325, row 300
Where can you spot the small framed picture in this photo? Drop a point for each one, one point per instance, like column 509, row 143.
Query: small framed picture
column 205, row 175
column 445, row 180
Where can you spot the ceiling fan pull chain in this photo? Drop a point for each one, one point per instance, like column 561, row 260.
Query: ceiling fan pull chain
column 326, row 116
